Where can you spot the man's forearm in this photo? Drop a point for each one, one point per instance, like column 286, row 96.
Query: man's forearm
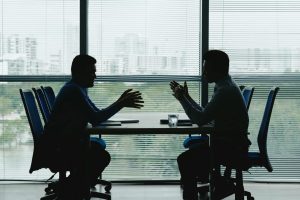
column 194, row 103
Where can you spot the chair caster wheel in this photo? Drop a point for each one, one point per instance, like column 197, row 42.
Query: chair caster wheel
column 107, row 188
column 48, row 190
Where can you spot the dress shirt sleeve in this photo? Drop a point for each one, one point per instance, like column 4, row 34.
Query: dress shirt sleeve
column 193, row 103
column 202, row 115
column 95, row 115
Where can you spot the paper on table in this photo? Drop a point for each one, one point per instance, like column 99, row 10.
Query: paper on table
column 124, row 121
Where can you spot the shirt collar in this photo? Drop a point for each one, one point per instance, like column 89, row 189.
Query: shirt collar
column 84, row 90
column 223, row 81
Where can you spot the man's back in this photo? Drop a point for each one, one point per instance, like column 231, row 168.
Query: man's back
column 68, row 117
column 228, row 109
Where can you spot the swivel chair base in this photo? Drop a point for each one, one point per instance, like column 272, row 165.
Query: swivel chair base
column 52, row 191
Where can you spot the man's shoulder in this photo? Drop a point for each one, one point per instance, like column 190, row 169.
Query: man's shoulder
column 70, row 89
column 226, row 89
column 227, row 92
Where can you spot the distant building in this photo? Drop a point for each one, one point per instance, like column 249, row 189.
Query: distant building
column 55, row 64
column 20, row 55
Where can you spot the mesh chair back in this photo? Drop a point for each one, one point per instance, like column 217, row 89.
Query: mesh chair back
column 35, row 123
column 264, row 126
column 49, row 95
column 42, row 102
column 247, row 94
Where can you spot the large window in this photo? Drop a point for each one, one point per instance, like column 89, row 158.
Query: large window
column 143, row 44
column 264, row 48
column 145, row 37
column 38, row 38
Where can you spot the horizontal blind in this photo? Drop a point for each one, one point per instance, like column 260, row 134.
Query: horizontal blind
column 262, row 42
column 144, row 37
column 37, row 38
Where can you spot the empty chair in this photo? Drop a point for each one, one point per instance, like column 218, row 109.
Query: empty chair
column 49, row 96
column 42, row 102
column 37, row 131
column 247, row 94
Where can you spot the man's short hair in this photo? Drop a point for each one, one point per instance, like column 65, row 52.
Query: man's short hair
column 81, row 63
column 219, row 60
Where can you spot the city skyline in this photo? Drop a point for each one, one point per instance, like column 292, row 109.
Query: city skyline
column 132, row 56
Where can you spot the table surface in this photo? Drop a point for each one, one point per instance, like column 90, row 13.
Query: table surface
column 149, row 123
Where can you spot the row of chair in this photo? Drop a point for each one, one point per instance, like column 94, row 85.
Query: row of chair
column 45, row 98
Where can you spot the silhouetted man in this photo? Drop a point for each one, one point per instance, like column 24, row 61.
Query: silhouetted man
column 228, row 112
column 65, row 142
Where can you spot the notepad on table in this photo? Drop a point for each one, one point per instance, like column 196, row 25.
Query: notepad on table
column 180, row 121
column 110, row 123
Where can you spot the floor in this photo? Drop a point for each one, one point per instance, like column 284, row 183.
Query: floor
column 261, row 191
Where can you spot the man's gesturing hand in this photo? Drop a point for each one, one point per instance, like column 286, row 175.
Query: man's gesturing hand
column 131, row 99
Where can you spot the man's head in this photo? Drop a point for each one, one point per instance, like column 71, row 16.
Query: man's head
column 84, row 70
column 215, row 65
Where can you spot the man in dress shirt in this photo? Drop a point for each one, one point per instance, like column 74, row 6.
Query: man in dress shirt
column 228, row 112
column 65, row 142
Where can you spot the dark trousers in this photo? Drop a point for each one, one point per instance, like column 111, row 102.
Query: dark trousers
column 98, row 160
column 193, row 166
column 194, row 163
column 87, row 167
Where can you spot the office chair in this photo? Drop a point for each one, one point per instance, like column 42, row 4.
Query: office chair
column 42, row 103
column 37, row 130
column 247, row 94
column 256, row 159
column 196, row 140
column 49, row 96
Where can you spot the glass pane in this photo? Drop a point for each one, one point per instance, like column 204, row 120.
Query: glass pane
column 263, row 45
column 38, row 37
column 139, row 37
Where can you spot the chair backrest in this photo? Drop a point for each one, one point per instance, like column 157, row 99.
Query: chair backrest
column 42, row 102
column 242, row 87
column 50, row 96
column 264, row 126
column 247, row 94
column 34, row 120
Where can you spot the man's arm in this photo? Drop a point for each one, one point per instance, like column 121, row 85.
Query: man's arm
column 202, row 116
column 95, row 115
column 174, row 84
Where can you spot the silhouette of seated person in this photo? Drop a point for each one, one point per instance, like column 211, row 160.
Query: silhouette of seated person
column 64, row 144
column 227, row 110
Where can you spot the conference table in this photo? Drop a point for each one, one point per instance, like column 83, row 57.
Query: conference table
column 147, row 123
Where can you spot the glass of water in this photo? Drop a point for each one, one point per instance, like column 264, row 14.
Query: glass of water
column 173, row 120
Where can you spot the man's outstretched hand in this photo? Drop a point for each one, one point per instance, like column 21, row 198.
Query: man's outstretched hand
column 131, row 99
column 178, row 90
